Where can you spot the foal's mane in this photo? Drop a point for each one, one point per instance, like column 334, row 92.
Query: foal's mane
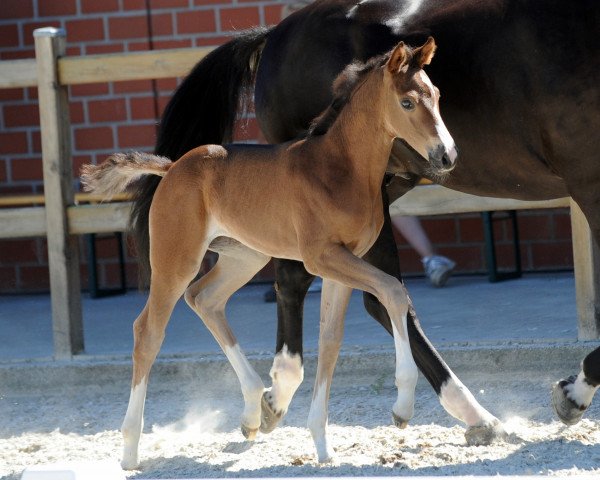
column 343, row 87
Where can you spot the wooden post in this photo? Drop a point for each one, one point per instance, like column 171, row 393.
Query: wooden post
column 586, row 258
column 63, row 249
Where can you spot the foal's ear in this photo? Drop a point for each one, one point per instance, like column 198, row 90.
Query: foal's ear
column 424, row 54
column 397, row 58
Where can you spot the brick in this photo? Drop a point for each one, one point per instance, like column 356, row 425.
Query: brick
column 138, row 46
column 26, row 169
column 74, row 50
column 156, row 4
column 201, row 21
column 28, row 29
column 162, row 24
column 142, row 108
column 203, row 3
column 142, row 135
column 128, row 27
column 131, row 86
column 13, row 142
column 94, row 138
column 562, row 225
column 11, row 94
column 239, row 18
column 166, row 84
column 85, row 30
column 129, row 5
column 552, row 255
column 95, row 6
column 17, row 9
column 534, row 226
column 76, row 112
column 165, row 44
column 163, row 100
column 109, row 110
column 109, row 48
column 273, row 14
column 55, row 8
column 470, row 229
column 18, row 54
column 21, row 115
column 18, row 251
column 9, row 36
column 78, row 162
column 32, row 93
column 89, row 89
column 36, row 140
column 3, row 175
column 8, row 279
column 469, row 259
column 34, row 278
column 211, row 41
column 440, row 229
column 245, row 130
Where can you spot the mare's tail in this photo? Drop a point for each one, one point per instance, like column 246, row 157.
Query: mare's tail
column 120, row 170
column 202, row 111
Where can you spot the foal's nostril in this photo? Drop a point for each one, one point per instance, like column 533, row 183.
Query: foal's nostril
column 446, row 162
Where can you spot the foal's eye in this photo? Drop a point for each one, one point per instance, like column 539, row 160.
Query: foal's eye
column 407, row 104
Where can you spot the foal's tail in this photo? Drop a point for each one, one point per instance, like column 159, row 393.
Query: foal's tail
column 120, row 170
column 202, row 111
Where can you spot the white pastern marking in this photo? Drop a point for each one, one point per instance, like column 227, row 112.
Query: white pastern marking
column 133, row 424
column 287, row 374
column 317, row 423
column 461, row 404
column 252, row 385
column 406, row 375
column 580, row 391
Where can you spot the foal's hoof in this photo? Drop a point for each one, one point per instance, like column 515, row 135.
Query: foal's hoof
column 486, row 434
column 249, row 433
column 567, row 410
column 269, row 418
column 399, row 421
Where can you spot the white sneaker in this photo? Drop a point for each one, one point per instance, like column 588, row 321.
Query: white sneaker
column 438, row 269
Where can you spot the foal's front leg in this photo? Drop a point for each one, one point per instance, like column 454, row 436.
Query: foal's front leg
column 334, row 302
column 337, row 263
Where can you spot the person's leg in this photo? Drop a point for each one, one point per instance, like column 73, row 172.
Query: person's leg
column 437, row 267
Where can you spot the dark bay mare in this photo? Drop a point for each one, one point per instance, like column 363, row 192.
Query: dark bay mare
column 521, row 98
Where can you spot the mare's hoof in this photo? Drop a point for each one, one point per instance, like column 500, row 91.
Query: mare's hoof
column 566, row 409
column 249, row 433
column 269, row 419
column 486, row 434
column 399, row 421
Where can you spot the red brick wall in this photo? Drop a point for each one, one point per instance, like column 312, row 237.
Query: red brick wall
column 123, row 115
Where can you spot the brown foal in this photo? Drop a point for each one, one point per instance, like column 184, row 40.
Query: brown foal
column 317, row 200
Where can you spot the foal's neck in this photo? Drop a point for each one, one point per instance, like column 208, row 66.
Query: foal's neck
column 360, row 136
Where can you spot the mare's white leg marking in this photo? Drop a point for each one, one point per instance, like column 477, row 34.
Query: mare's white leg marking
column 133, row 423
column 461, row 404
column 406, row 375
column 317, row 423
column 287, row 374
column 252, row 385
column 580, row 391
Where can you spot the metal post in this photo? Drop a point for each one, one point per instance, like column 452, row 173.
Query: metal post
column 63, row 249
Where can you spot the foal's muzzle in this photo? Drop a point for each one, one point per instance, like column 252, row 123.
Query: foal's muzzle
column 443, row 159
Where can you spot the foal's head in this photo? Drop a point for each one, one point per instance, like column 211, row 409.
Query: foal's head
column 413, row 113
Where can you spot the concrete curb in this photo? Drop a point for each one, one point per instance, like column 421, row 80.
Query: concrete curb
column 359, row 363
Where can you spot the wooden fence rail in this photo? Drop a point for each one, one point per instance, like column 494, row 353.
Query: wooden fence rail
column 60, row 219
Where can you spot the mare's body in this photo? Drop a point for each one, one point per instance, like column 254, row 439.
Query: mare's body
column 521, row 97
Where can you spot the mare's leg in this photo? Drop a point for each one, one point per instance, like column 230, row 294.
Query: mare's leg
column 573, row 395
column 236, row 265
column 176, row 255
column 334, row 302
column 455, row 397
column 292, row 282
column 335, row 262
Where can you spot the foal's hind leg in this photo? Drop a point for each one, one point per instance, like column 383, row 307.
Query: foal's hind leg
column 173, row 267
column 287, row 372
column 236, row 265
